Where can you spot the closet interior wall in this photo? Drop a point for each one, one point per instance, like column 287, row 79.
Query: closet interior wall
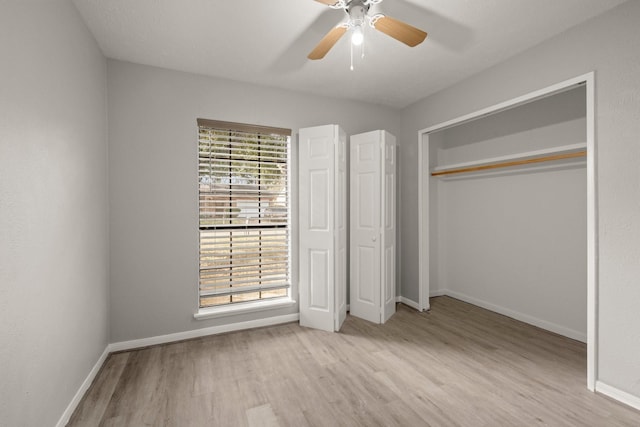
column 514, row 240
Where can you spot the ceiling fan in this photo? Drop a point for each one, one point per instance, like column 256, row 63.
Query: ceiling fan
column 358, row 10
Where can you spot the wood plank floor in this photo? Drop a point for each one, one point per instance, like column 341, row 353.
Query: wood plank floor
column 458, row 365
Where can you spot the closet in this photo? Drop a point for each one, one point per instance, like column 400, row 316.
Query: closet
column 322, row 189
column 323, row 222
column 506, row 202
column 373, row 166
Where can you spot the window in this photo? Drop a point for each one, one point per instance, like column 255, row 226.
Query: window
column 243, row 173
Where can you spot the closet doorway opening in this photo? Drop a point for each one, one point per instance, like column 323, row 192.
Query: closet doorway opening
column 490, row 159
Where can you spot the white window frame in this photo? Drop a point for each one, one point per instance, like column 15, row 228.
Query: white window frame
column 266, row 304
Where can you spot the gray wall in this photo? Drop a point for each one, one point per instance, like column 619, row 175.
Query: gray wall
column 609, row 45
column 53, row 209
column 153, row 171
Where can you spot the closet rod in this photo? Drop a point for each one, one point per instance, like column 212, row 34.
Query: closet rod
column 511, row 163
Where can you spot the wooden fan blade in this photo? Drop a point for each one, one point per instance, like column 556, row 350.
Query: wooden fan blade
column 407, row 34
column 327, row 42
column 328, row 2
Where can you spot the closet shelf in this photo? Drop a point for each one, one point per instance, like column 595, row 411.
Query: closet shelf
column 563, row 152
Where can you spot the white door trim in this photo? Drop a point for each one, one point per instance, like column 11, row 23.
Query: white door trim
column 592, row 212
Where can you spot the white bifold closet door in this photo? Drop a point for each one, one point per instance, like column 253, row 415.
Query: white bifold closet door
column 373, row 226
column 323, row 227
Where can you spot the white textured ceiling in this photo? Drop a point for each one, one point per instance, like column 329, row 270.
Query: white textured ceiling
column 267, row 41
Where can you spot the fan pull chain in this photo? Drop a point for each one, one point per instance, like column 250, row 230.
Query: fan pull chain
column 351, row 44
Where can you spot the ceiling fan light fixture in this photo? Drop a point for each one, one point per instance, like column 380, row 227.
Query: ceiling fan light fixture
column 358, row 35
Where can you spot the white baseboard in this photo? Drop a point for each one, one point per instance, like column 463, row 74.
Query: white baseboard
column 196, row 333
column 163, row 339
column 438, row 293
column 66, row 415
column 408, row 302
column 549, row 326
column 617, row 394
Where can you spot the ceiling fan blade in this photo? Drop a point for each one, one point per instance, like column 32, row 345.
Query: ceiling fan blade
column 327, row 42
column 407, row 34
column 328, row 2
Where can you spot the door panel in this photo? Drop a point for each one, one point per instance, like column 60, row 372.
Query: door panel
column 365, row 259
column 365, row 226
column 342, row 232
column 366, row 188
column 389, row 306
column 317, row 206
column 389, row 232
column 318, row 280
column 319, row 200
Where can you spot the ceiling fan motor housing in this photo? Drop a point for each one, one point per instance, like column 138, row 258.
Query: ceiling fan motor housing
column 357, row 11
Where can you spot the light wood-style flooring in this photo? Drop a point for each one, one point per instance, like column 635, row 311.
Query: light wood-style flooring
column 458, row 365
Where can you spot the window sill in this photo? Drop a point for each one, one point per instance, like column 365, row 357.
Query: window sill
column 242, row 308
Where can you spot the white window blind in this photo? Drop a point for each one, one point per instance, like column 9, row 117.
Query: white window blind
column 244, row 212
